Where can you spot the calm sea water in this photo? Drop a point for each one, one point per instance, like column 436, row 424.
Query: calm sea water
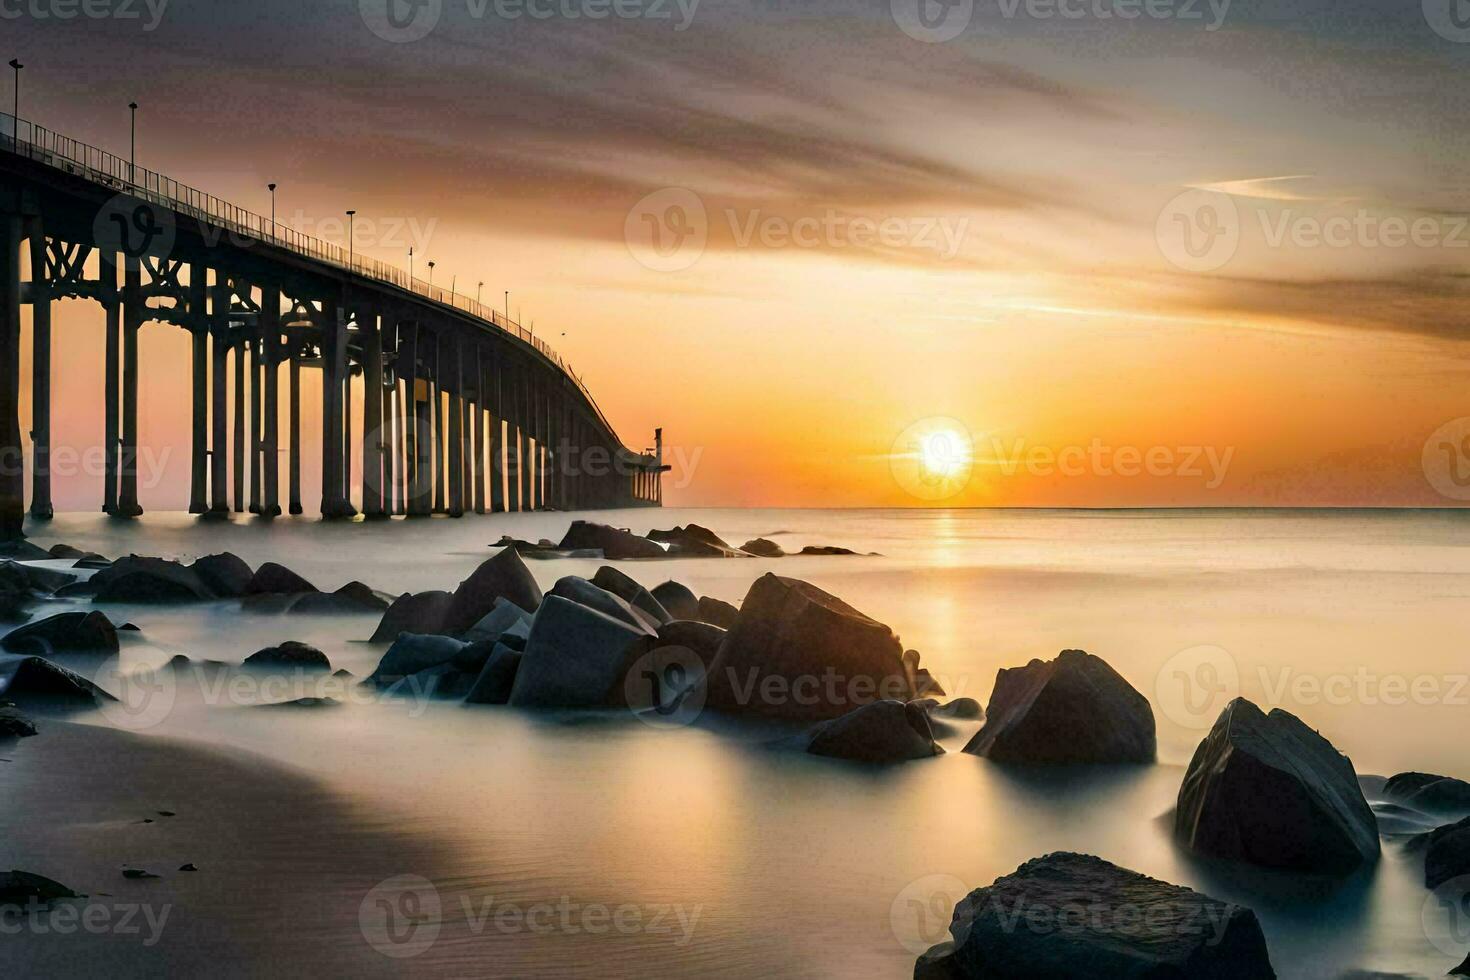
column 760, row 863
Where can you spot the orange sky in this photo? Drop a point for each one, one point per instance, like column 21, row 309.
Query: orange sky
column 1030, row 286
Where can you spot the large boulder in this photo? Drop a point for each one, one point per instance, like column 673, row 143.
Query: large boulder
column 678, row 599
column 38, row 683
column 503, row 577
column 631, row 592
column 416, row 612
column 691, row 534
column 42, row 580
column 497, row 677
column 763, row 548
column 576, row 657
column 881, row 732
column 14, row 724
column 354, row 598
column 800, row 653
column 582, row 591
column 1447, row 853
column 1071, row 710
column 1074, row 915
column 716, row 612
column 615, row 544
column 224, row 574
column 702, row 638
column 72, row 632
column 274, row 579
column 1267, row 790
column 292, row 655
column 505, row 617
column 142, row 579
column 412, row 653
column 1428, row 792
column 21, row 889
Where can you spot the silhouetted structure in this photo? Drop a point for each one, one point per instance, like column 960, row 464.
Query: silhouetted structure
column 462, row 408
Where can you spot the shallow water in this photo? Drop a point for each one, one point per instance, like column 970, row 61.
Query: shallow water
column 762, row 863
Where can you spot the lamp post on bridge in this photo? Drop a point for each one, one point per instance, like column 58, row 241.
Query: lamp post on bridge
column 15, row 114
column 351, row 240
column 133, row 144
column 410, row 268
column 507, row 305
column 431, row 274
column 477, row 293
column 272, row 189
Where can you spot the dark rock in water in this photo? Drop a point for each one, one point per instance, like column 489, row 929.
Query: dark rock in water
column 308, row 702
column 37, row 682
column 274, row 579
column 1425, row 791
column 43, row 580
column 1068, row 711
column 444, row 681
column 148, row 580
column 1447, row 854
column 680, row 602
column 1268, row 790
column 497, row 678
column 1394, row 820
column 962, row 709
column 13, row 607
column 937, row 963
column 580, row 590
column 472, row 658
column 576, row 657
column 798, row 652
column 503, row 577
column 925, row 684
column 364, row 595
column 693, row 534
column 1074, row 916
column 290, row 654
column 419, row 612
column 716, row 612
column 352, row 599
column 342, row 672
column 129, row 628
column 73, row 632
column 704, row 639
column 1463, row 970
column 136, row 874
column 412, row 653
column 13, row 724
column 881, row 732
column 694, row 548
column 224, row 574
column 763, row 548
column 631, row 592
column 506, row 617
column 188, row 867
column 67, row 552
column 23, row 550
column 21, row 888
column 615, row 544
column 813, row 549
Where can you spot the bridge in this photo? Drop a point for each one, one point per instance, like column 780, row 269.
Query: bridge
column 462, row 408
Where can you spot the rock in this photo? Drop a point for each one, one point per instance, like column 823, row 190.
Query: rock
column 797, row 652
column 716, row 612
column 1463, row 970
column 614, row 543
column 925, row 684
column 471, row 660
column 1447, row 853
column 1268, row 790
column 73, row 632
column 504, row 618
column 136, row 874
column 961, row 709
column 42, row 580
column 937, row 963
column 580, row 590
column 444, row 681
column 308, row 702
column 703, row 638
column 412, row 653
column 224, row 574
column 631, row 592
column 576, row 657
column 22, row 888
column 421, row 612
column 1394, row 820
column 291, row 654
column 881, row 732
column 1424, row 791
column 147, row 580
column 1073, row 915
column 693, row 548
column 680, row 602
column 352, row 599
column 503, row 577
column 763, row 548
column 813, row 549
column 693, row 534
column 13, row 724
column 497, row 678
column 37, row 682
column 365, row 596
column 23, row 550
column 67, row 552
column 188, row 867
column 1071, row 710
column 274, row 579
column 13, row 607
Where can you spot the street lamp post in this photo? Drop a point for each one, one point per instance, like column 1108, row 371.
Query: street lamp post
column 477, row 293
column 15, row 115
column 507, row 305
column 431, row 273
column 272, row 189
column 351, row 251
column 133, row 143
column 410, row 267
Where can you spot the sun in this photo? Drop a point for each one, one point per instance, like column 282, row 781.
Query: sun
column 944, row 453
column 933, row 458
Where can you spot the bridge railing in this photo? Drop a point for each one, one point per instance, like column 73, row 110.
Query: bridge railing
column 42, row 145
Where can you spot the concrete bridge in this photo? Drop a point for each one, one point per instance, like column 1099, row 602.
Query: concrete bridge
column 462, row 409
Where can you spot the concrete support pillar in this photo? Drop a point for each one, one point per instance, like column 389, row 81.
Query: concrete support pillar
column 12, row 466
column 133, row 314
column 496, row 469
column 218, row 449
column 270, row 330
column 479, row 431
column 40, row 374
column 373, row 431
column 346, row 430
column 455, row 446
column 334, row 370
column 238, row 456
column 293, row 465
column 523, row 440
column 199, row 371
column 112, row 360
column 257, row 423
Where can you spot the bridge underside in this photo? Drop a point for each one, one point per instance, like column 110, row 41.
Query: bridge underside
column 456, row 414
